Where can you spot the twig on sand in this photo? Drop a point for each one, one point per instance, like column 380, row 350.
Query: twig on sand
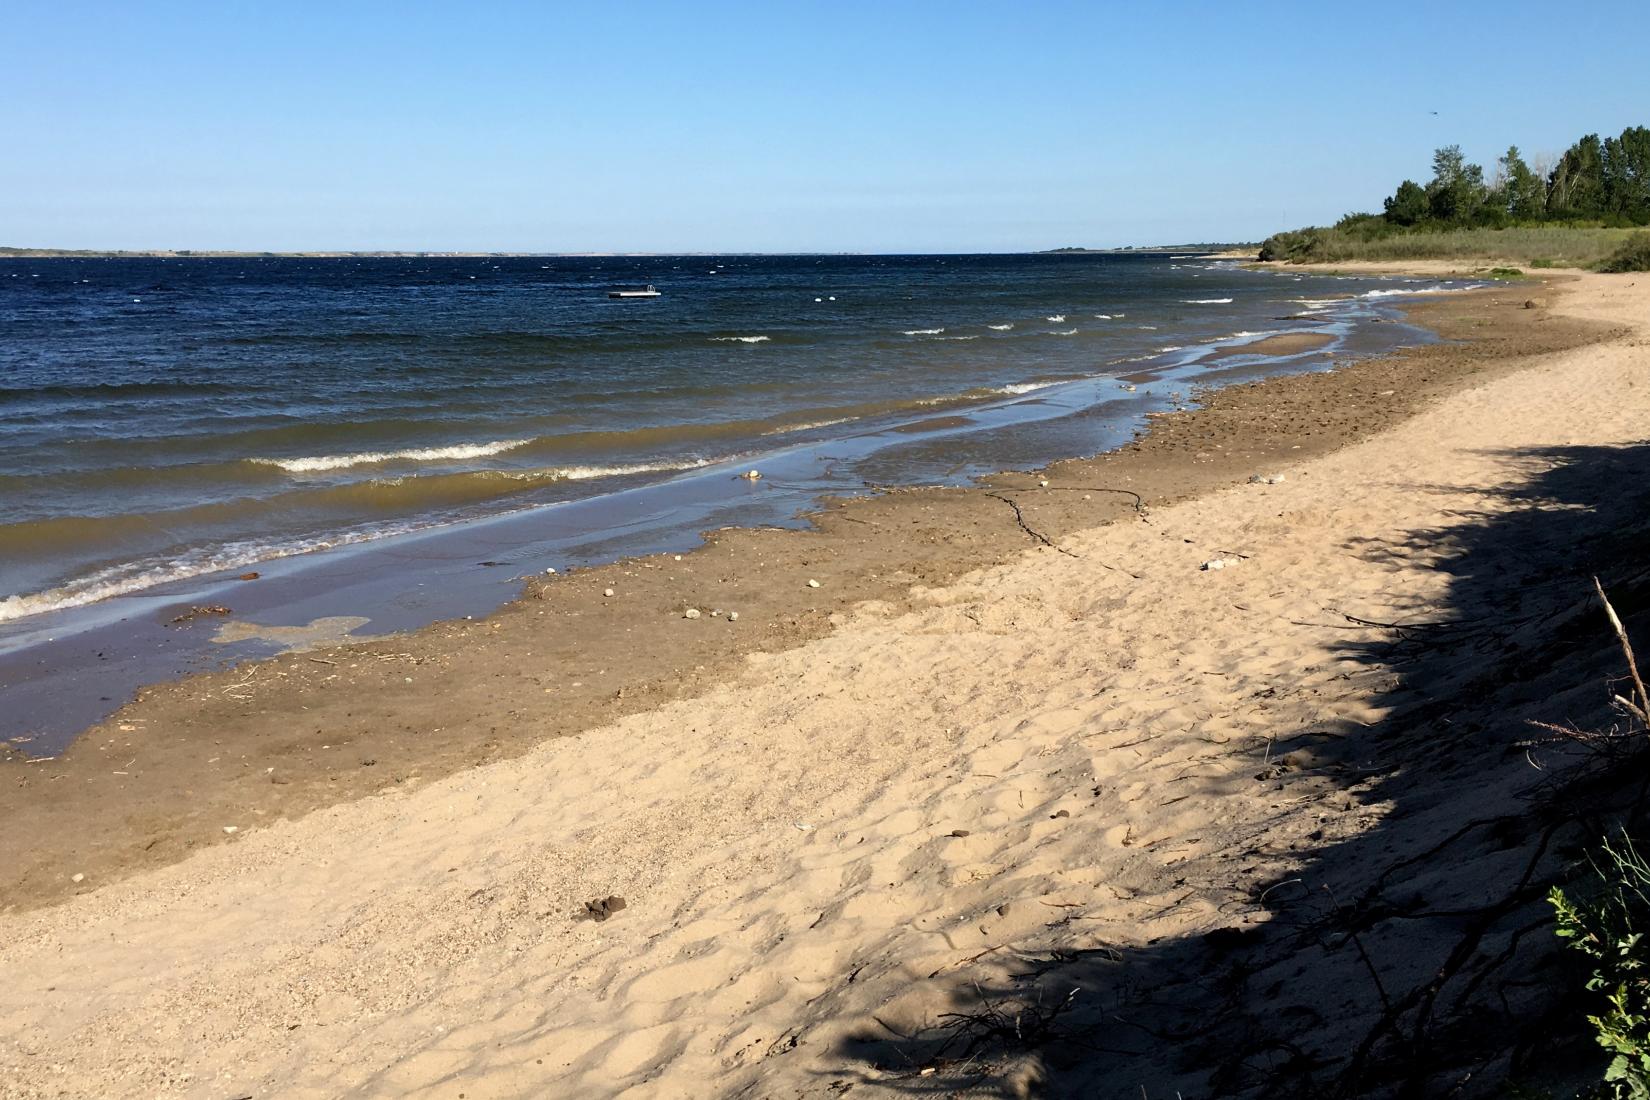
column 1642, row 709
column 1020, row 518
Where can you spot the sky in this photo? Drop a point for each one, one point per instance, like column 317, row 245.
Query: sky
column 769, row 126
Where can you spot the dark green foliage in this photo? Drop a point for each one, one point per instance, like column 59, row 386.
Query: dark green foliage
column 1576, row 188
column 1633, row 255
column 1596, row 183
column 1408, row 206
column 1524, row 192
column 1294, row 245
column 1606, row 918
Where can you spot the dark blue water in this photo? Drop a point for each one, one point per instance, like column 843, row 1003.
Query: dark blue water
column 162, row 419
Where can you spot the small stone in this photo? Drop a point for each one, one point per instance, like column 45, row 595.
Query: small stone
column 1215, row 563
column 733, row 616
column 231, row 830
column 1059, row 813
column 691, row 613
column 1043, row 483
column 607, row 592
column 78, row 878
column 602, row 908
column 752, row 475
column 550, row 572
column 250, row 576
column 813, row 583
column 678, row 557
column 958, row 833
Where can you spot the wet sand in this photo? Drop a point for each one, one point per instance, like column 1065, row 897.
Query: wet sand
column 284, row 737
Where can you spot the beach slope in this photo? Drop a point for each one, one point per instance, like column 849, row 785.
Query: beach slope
column 1010, row 836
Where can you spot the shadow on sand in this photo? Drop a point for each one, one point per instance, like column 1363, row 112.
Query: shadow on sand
column 1415, row 959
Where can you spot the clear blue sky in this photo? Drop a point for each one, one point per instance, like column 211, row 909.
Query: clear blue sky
column 772, row 126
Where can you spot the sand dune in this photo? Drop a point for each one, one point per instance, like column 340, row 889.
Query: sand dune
column 1051, row 757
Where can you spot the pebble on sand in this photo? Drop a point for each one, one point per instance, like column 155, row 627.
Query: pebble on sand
column 691, row 613
column 231, row 830
column 812, row 583
column 77, row 878
column 607, row 592
column 733, row 616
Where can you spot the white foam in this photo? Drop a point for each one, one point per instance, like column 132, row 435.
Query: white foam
column 1024, row 387
column 122, row 579
column 810, row 426
column 1418, row 290
column 585, row 473
column 1207, row 301
column 133, row 577
column 742, row 339
column 923, row 331
column 1102, row 316
column 1057, row 318
column 999, row 328
column 317, row 463
column 1062, row 332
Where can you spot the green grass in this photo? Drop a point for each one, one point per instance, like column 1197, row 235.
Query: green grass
column 1536, row 246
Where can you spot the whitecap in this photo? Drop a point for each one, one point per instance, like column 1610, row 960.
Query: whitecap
column 456, row 451
column 999, row 328
column 923, row 331
column 742, row 339
column 1057, row 318
column 1023, row 387
column 1207, row 301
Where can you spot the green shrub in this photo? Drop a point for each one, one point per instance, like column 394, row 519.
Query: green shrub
column 1607, row 920
column 1542, row 261
column 1505, row 273
column 1633, row 255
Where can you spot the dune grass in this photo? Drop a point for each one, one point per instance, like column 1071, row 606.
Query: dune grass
column 1534, row 246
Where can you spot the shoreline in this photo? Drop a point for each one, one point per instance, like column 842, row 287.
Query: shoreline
column 363, row 734
column 134, row 637
column 1092, row 777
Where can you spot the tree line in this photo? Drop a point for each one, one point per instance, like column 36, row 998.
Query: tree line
column 1601, row 182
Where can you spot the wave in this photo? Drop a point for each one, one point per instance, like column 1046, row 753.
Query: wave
column 123, row 579
column 1419, row 290
column 999, row 328
column 972, row 336
column 1055, row 318
column 439, row 500
column 1102, row 316
column 923, row 331
column 1061, row 332
column 810, row 426
column 1016, row 388
column 1206, row 301
column 457, row 451
column 742, row 339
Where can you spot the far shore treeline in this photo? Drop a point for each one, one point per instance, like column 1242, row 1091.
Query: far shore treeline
column 1598, row 184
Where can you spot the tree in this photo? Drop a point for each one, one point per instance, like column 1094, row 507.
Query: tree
column 1626, row 173
column 1408, row 206
column 1525, row 193
column 1576, row 189
column 1457, row 188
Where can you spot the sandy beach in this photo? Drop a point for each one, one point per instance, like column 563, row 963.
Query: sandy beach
column 1052, row 789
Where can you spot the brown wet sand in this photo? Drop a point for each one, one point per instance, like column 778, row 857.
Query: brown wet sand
column 1285, row 343
column 167, row 774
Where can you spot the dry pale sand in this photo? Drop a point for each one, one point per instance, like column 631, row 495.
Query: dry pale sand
column 1050, row 759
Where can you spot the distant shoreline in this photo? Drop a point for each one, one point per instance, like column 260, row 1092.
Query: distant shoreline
column 15, row 253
